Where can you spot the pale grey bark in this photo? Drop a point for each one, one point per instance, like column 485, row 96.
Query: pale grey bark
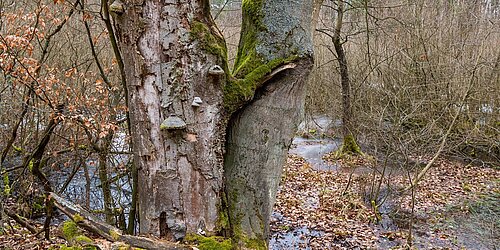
column 260, row 135
column 180, row 171
column 258, row 142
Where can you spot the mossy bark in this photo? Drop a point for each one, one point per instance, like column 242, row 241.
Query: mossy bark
column 221, row 172
column 274, row 34
column 349, row 147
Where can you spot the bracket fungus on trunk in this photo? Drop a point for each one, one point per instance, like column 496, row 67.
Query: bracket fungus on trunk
column 216, row 70
column 173, row 122
column 196, row 102
column 117, row 7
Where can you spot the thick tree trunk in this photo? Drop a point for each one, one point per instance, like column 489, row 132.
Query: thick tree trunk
column 174, row 54
column 260, row 134
column 258, row 141
column 180, row 170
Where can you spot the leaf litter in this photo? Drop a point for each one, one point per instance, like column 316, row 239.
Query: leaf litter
column 336, row 207
column 329, row 210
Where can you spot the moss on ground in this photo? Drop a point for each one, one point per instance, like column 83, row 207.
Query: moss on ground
column 64, row 247
column 209, row 243
column 255, row 244
column 77, row 218
column 114, row 234
column 70, row 230
column 82, row 239
column 75, row 238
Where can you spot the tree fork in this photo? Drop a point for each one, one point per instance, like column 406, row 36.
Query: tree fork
column 183, row 100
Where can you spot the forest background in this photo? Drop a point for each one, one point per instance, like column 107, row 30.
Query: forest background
column 424, row 82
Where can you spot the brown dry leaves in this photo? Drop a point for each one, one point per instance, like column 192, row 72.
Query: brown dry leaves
column 450, row 184
column 16, row 237
column 321, row 202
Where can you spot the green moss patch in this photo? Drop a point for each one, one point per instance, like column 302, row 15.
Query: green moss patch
column 349, row 148
column 77, row 218
column 247, row 59
column 209, row 42
column 114, row 234
column 209, row 243
column 82, row 239
column 75, row 237
column 64, row 247
column 239, row 91
column 255, row 244
column 70, row 230
column 17, row 149
column 6, row 184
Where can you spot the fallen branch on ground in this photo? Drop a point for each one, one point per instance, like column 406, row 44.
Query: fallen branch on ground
column 22, row 221
column 91, row 223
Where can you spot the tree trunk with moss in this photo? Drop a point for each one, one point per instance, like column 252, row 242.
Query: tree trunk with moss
column 349, row 144
column 183, row 100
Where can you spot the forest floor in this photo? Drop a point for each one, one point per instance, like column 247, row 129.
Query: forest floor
column 456, row 206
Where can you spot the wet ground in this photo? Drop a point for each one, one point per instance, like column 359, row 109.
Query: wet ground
column 313, row 150
column 444, row 217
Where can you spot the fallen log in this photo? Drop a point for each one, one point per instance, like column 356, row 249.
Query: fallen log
column 91, row 223
column 22, row 221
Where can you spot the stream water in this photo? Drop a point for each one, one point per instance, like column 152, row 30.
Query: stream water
column 76, row 190
column 469, row 230
column 313, row 150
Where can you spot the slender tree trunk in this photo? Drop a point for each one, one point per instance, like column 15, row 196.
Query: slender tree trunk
column 344, row 73
column 349, row 144
column 189, row 177
column 106, row 187
column 35, row 163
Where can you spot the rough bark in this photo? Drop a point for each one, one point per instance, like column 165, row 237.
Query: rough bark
column 168, row 48
column 187, row 182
